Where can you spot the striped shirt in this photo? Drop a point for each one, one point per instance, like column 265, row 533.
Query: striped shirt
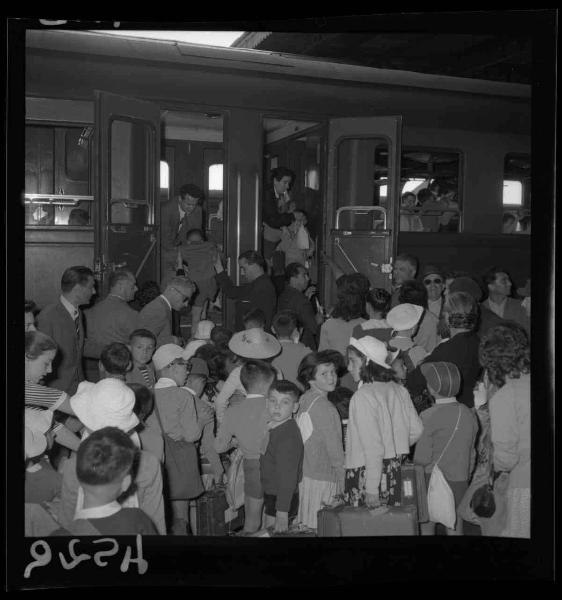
column 40, row 397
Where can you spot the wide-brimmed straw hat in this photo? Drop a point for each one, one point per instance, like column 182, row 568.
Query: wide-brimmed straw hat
column 108, row 403
column 254, row 343
column 373, row 349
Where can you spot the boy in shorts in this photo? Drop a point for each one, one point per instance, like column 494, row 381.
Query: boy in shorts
column 200, row 257
column 281, row 464
column 142, row 344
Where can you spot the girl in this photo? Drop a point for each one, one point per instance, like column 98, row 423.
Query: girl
column 504, row 353
column 320, row 425
column 382, row 426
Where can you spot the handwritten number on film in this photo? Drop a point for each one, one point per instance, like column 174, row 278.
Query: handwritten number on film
column 41, row 552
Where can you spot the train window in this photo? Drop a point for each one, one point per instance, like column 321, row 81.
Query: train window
column 215, row 174
column 430, row 200
column 516, row 197
column 129, row 172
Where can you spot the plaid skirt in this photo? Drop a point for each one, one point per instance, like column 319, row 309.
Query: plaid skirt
column 389, row 488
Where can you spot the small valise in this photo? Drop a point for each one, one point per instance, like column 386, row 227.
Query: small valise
column 348, row 521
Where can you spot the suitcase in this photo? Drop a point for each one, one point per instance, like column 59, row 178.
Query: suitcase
column 348, row 521
column 213, row 516
column 414, row 490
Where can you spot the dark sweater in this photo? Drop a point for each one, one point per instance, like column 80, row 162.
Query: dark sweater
column 292, row 299
column 260, row 293
column 461, row 350
column 281, row 465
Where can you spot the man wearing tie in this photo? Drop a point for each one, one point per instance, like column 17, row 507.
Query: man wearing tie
column 177, row 218
column 63, row 322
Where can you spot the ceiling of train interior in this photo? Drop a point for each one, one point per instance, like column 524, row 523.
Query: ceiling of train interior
column 498, row 57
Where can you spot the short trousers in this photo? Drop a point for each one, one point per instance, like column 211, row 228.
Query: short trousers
column 252, row 478
column 206, row 290
column 269, row 501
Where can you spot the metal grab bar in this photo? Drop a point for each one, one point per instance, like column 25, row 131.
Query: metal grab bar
column 340, row 248
column 435, row 212
column 360, row 210
column 55, row 199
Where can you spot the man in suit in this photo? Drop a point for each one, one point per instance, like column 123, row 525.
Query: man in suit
column 177, row 218
column 63, row 322
column 156, row 316
column 275, row 209
column 296, row 297
column 111, row 320
column 498, row 284
column 260, row 293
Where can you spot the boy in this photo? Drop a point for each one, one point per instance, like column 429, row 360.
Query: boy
column 447, row 419
column 285, row 328
column 281, row 464
column 246, row 419
column 200, row 257
column 404, row 319
column 115, row 361
column 254, row 319
column 104, row 464
column 296, row 242
column 142, row 344
column 175, row 414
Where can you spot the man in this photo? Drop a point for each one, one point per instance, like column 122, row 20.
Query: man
column 434, row 282
column 276, row 209
column 156, row 316
column 498, row 284
column 177, row 218
column 112, row 319
column 63, row 322
column 260, row 293
column 405, row 268
column 296, row 297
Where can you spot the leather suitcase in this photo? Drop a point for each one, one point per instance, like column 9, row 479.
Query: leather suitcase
column 347, row 521
column 210, row 513
column 414, row 490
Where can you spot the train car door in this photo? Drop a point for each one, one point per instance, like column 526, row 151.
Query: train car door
column 363, row 190
column 127, row 174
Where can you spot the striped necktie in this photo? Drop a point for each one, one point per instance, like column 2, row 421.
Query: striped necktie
column 77, row 324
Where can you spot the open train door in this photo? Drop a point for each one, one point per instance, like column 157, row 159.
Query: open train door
column 127, row 173
column 363, row 191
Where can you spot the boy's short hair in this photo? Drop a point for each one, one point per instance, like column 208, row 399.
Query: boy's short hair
column 256, row 315
column 285, row 322
column 379, row 299
column 282, row 386
column 253, row 258
column 116, row 358
column 220, row 336
column 293, row 270
column 192, row 231
column 105, row 456
column 142, row 333
column 254, row 372
column 144, row 400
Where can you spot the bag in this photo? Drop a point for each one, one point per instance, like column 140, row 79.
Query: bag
column 210, row 513
column 414, row 490
column 349, row 521
column 182, row 480
column 235, row 480
column 440, row 498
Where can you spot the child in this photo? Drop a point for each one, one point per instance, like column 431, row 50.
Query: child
column 246, row 419
column 254, row 319
column 253, row 344
column 175, row 414
column 296, row 242
column 378, row 303
column 220, row 336
column 320, row 426
column 404, row 319
column 42, row 482
column 104, row 466
column 447, row 420
column 200, row 257
column 150, row 437
column 383, row 424
column 284, row 326
column 281, row 464
column 115, row 361
column 142, row 344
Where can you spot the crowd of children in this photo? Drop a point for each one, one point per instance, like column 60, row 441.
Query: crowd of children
column 160, row 426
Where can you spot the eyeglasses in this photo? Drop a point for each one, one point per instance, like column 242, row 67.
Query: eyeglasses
column 429, row 281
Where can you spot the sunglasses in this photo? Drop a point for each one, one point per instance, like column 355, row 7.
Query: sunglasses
column 429, row 281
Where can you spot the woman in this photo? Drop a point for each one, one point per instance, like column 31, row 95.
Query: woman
column 40, row 351
column 461, row 316
column 505, row 354
column 320, row 425
column 382, row 426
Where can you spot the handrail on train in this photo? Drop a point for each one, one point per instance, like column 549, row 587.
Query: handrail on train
column 56, row 199
column 360, row 210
